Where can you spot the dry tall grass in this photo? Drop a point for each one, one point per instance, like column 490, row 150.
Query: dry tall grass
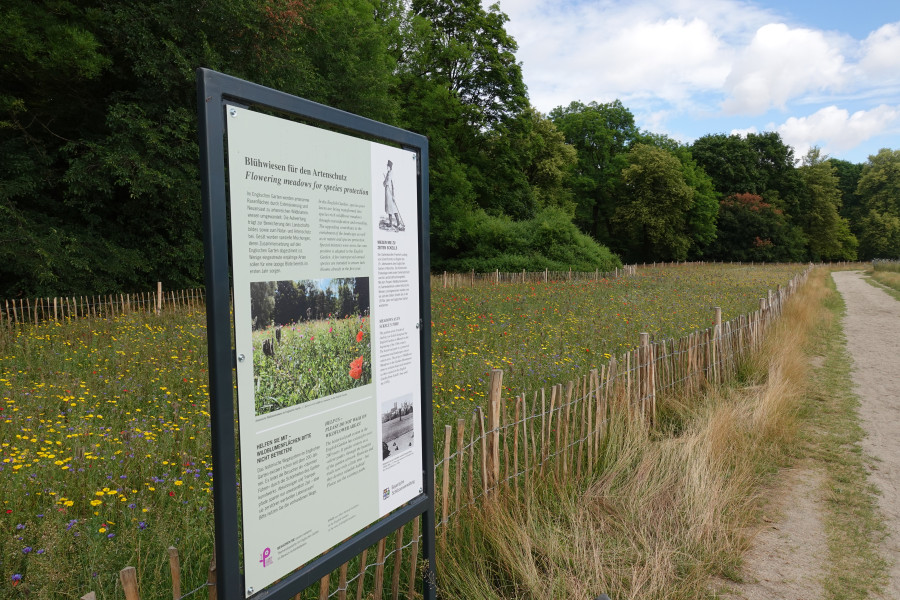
column 664, row 510
column 888, row 278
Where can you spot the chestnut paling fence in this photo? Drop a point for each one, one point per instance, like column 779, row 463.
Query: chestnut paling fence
column 555, row 433
column 36, row 310
column 473, row 279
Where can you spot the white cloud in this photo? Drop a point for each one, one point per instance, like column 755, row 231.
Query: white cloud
column 881, row 54
column 780, row 64
column 693, row 67
column 836, row 129
column 606, row 50
column 744, row 132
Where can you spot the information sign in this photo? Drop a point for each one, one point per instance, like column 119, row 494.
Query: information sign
column 327, row 402
column 316, row 244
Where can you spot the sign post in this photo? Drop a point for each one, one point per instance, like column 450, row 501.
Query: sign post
column 328, row 270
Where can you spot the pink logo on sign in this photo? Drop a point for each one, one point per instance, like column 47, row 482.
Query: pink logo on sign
column 265, row 557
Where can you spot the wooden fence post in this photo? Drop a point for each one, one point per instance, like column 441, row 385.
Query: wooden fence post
column 159, row 297
column 361, row 578
column 342, row 582
column 323, row 586
column 414, row 557
column 493, row 441
column 175, row 570
column 519, row 402
column 445, row 488
column 128, row 577
column 460, row 453
column 718, row 346
column 211, row 578
column 379, row 569
column 643, row 383
column 484, row 451
column 398, row 563
column 565, row 426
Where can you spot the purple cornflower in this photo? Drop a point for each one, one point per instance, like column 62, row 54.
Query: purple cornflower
column 26, row 549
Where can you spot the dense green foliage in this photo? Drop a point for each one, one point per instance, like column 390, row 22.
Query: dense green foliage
column 549, row 240
column 99, row 187
column 879, row 188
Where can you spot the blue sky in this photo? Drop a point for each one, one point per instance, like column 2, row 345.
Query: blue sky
column 823, row 74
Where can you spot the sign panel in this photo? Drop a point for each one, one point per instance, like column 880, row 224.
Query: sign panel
column 326, row 313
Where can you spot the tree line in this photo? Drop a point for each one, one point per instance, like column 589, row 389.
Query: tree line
column 100, row 191
column 292, row 302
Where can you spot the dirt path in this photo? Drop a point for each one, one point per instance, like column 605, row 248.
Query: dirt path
column 785, row 562
column 872, row 328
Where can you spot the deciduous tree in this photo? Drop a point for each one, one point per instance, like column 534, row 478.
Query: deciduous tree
column 879, row 190
column 651, row 217
column 828, row 233
column 601, row 133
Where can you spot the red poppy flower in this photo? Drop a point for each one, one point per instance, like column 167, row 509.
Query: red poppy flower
column 359, row 336
column 356, row 368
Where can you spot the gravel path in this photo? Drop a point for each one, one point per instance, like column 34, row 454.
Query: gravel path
column 785, row 562
column 872, row 328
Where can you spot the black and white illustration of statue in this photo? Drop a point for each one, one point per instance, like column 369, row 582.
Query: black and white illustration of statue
column 394, row 220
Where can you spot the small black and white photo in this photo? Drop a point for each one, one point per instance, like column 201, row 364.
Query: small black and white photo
column 397, row 426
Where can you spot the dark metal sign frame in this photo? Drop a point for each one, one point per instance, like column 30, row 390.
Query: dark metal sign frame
column 213, row 91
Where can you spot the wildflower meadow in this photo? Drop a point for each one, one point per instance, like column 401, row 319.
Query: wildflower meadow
column 543, row 334
column 105, row 453
column 310, row 360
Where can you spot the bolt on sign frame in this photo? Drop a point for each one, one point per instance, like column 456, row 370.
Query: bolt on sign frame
column 278, row 167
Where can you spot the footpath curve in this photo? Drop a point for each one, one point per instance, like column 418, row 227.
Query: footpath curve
column 872, row 328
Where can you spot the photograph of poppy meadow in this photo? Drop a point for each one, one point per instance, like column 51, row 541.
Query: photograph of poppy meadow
column 105, row 455
column 311, row 339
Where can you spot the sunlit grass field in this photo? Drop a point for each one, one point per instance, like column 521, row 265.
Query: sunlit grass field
column 542, row 334
column 105, row 453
